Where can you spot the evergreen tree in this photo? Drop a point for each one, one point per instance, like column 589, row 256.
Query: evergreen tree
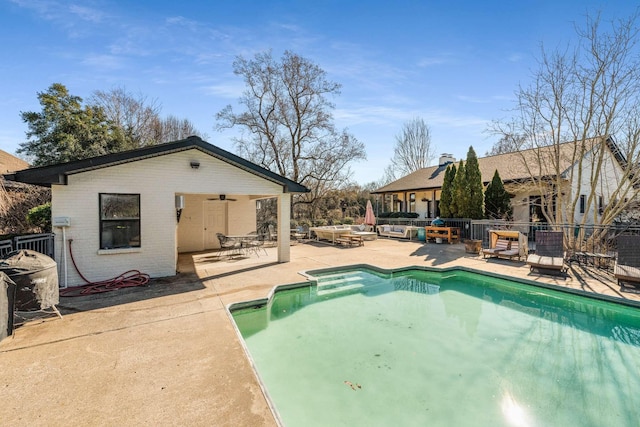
column 458, row 198
column 473, row 195
column 65, row 130
column 447, row 191
column 497, row 203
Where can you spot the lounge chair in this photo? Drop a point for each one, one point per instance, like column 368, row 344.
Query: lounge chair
column 516, row 242
column 501, row 245
column 512, row 252
column 627, row 268
column 549, row 255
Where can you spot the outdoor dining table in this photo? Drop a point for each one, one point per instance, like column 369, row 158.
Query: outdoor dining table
column 242, row 240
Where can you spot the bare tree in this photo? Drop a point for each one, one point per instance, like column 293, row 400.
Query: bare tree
column 583, row 95
column 133, row 115
column 507, row 144
column 413, row 149
column 138, row 119
column 287, row 123
column 172, row 128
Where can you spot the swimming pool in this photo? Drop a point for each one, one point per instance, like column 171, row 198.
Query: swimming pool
column 443, row 349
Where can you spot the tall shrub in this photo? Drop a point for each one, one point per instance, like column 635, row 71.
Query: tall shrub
column 497, row 203
column 447, row 191
column 473, row 195
column 458, row 199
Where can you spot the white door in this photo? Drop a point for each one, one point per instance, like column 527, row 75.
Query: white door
column 215, row 221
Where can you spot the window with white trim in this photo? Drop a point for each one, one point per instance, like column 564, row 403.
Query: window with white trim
column 119, row 221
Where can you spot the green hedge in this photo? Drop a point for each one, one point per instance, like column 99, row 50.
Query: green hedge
column 398, row 215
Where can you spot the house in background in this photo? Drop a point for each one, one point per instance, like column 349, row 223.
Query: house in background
column 138, row 209
column 420, row 191
column 10, row 163
column 16, row 198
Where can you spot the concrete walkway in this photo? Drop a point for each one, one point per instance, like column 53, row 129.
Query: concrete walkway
column 167, row 354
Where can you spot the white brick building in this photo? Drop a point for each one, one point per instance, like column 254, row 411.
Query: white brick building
column 123, row 208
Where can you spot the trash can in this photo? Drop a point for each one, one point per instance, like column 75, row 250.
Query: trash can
column 422, row 236
column 7, row 297
column 35, row 276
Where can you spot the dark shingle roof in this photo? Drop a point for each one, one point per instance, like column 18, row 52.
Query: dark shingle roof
column 57, row 174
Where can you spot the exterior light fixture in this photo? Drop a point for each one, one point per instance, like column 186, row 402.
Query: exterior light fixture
column 194, row 164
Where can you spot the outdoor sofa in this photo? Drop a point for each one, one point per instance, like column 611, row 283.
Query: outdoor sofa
column 398, row 231
column 331, row 233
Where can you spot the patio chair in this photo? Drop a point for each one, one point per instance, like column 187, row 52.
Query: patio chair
column 627, row 267
column 229, row 247
column 255, row 245
column 501, row 245
column 273, row 234
column 549, row 255
column 298, row 234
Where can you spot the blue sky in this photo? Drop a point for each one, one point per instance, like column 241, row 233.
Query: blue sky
column 456, row 64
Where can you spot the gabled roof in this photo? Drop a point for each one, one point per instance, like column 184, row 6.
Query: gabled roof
column 511, row 166
column 10, row 163
column 57, row 174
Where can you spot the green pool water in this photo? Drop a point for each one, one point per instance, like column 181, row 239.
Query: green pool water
column 421, row 348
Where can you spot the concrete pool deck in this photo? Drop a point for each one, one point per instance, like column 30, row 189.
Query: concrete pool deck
column 167, row 354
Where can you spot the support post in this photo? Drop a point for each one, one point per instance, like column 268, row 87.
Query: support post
column 284, row 227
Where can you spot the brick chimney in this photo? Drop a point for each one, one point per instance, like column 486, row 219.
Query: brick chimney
column 445, row 159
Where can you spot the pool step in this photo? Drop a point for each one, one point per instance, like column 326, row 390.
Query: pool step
column 347, row 281
column 337, row 280
column 340, row 282
column 336, row 289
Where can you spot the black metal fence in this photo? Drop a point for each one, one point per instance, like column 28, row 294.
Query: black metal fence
column 42, row 243
column 577, row 237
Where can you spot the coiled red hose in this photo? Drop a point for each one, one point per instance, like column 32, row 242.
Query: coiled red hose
column 128, row 279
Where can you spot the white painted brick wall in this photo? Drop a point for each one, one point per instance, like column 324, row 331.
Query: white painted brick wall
column 157, row 180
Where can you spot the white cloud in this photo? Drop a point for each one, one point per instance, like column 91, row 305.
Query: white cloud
column 87, row 13
column 431, row 61
column 226, row 90
column 516, row 57
column 485, row 100
column 111, row 62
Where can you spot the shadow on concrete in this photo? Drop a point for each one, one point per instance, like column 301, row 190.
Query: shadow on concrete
column 156, row 288
column 584, row 274
column 240, row 270
column 440, row 253
column 327, row 244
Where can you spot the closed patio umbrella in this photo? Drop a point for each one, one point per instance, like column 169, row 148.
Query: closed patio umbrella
column 369, row 216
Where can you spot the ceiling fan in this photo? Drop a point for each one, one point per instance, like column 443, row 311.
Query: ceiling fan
column 223, row 197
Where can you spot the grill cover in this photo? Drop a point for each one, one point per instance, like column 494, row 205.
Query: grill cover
column 36, row 279
column 7, row 295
